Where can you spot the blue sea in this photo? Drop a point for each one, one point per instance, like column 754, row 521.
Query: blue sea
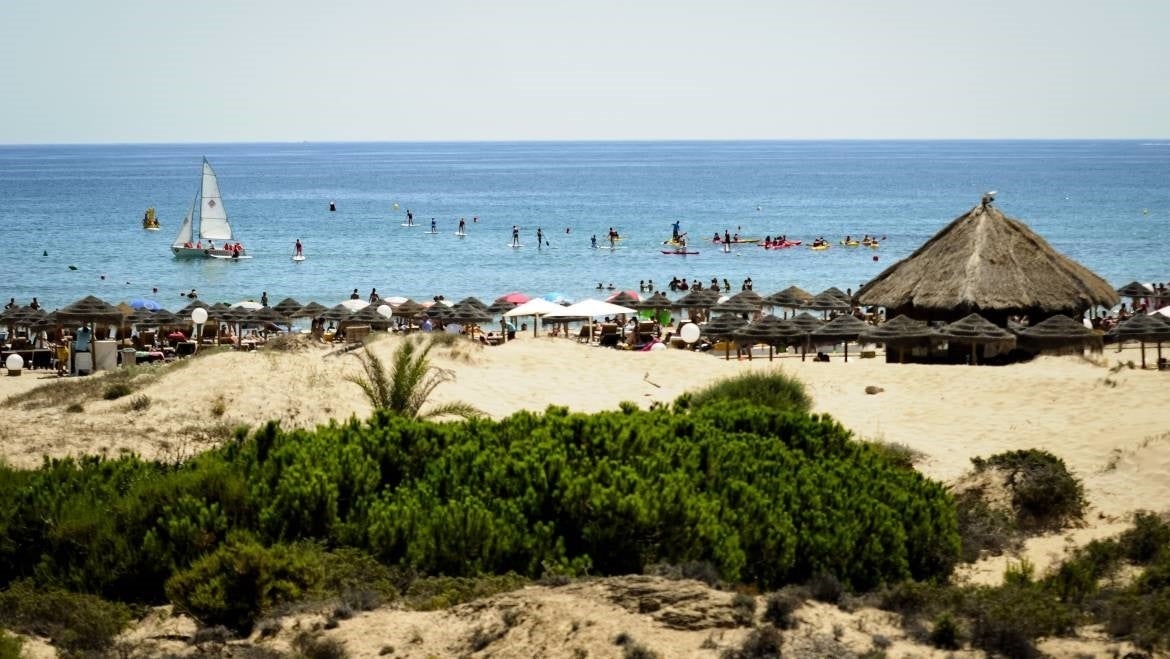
column 70, row 216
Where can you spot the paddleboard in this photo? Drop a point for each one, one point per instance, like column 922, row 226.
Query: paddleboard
column 433, row 233
column 407, row 225
column 298, row 257
column 461, row 234
column 511, row 245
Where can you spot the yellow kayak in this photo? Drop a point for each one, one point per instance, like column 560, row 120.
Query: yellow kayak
column 850, row 243
column 819, row 247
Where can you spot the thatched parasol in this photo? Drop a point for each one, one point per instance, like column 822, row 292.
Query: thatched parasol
column 90, row 309
column 655, row 302
column 192, row 306
column 750, row 297
column 900, row 332
column 468, row 314
column 311, row 310
column 724, row 327
column 792, row 297
column 735, row 305
column 474, row 301
column 337, row 314
column 976, row 330
column 1135, row 289
column 624, row 299
column 370, row 316
column 987, row 262
column 265, row 315
column 287, row 307
column 500, row 307
column 408, row 309
column 768, row 330
column 167, row 318
column 826, row 301
column 842, row 329
column 1060, row 333
column 839, row 294
column 1142, row 328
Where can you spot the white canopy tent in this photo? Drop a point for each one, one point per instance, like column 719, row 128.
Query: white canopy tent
column 535, row 307
column 590, row 309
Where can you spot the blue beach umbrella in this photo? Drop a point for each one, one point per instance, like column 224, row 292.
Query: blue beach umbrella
column 140, row 303
column 557, row 297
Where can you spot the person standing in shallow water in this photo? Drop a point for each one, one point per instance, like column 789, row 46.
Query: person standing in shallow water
column 300, row 250
column 515, row 236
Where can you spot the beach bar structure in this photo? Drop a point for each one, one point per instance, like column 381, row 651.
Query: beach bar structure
column 987, row 263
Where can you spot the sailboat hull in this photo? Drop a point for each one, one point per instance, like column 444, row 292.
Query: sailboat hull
column 197, row 253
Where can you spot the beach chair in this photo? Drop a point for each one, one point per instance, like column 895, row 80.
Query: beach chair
column 356, row 333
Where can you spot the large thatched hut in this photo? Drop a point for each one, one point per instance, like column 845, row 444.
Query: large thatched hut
column 985, row 262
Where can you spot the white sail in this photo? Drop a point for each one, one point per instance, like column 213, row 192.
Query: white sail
column 213, row 221
column 184, row 236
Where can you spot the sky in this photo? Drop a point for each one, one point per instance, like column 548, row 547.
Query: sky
column 124, row 71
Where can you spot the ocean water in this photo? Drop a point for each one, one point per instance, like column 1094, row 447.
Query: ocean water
column 1103, row 203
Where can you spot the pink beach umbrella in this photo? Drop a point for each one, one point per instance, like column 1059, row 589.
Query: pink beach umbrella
column 516, row 298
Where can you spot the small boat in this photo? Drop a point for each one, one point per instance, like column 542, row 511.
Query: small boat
column 850, row 243
column 820, row 247
column 207, row 223
column 149, row 220
column 679, row 252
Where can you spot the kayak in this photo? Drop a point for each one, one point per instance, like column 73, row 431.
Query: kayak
column 677, row 251
column 819, row 247
column 850, row 243
column 782, row 245
column 872, row 245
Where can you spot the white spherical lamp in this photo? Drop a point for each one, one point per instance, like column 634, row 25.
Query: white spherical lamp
column 199, row 316
column 658, row 346
column 689, row 332
column 14, row 363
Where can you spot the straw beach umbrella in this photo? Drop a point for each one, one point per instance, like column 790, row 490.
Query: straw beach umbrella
column 806, row 324
column 900, row 332
column 843, row 329
column 769, row 330
column 1060, row 333
column 792, row 297
column 827, row 301
column 1142, row 328
column 90, row 309
column 975, row 330
column 311, row 310
column 725, row 327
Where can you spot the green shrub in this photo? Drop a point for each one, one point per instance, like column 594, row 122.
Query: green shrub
column 434, row 593
column 1045, row 495
column 1007, row 620
column 117, row 390
column 780, row 609
column 774, row 391
column 316, row 647
column 945, row 633
column 235, row 584
column 743, row 609
column 824, row 587
column 1149, row 536
column 77, row 623
column 984, row 528
column 762, row 643
column 10, row 646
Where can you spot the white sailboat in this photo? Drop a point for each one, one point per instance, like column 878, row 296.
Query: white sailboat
column 205, row 232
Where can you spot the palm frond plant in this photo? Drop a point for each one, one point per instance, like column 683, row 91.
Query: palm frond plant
column 409, row 383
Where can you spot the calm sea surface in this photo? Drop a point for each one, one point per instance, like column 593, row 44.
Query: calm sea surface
column 1103, row 203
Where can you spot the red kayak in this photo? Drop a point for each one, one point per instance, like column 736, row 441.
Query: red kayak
column 782, row 245
column 680, row 253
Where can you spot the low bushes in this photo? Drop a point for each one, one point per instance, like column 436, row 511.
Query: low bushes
column 76, row 623
column 1045, row 495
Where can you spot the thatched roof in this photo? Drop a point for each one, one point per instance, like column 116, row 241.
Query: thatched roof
column 724, row 326
column 987, row 262
column 845, row 327
column 900, row 329
column 1135, row 289
column 656, row 301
